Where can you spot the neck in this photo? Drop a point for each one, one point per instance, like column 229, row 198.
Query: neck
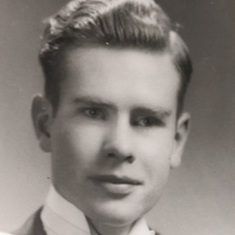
column 103, row 229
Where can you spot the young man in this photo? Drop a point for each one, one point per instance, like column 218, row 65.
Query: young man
column 112, row 115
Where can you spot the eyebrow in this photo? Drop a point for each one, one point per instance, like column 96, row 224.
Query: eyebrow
column 159, row 112
column 93, row 101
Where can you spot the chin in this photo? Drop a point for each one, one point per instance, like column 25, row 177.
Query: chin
column 116, row 215
column 114, row 220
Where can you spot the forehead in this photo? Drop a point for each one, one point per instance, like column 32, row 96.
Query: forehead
column 110, row 73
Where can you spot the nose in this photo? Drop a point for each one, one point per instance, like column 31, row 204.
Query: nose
column 119, row 141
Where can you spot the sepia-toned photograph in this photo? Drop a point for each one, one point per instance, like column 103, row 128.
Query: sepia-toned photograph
column 117, row 117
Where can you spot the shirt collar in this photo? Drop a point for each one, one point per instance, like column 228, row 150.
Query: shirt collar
column 141, row 228
column 63, row 218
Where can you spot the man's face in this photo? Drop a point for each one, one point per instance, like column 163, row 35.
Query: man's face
column 113, row 139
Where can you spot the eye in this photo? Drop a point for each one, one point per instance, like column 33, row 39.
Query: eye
column 147, row 122
column 94, row 113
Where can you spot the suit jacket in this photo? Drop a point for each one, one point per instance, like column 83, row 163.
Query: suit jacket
column 33, row 226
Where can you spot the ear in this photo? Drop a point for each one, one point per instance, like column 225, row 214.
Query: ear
column 42, row 115
column 181, row 136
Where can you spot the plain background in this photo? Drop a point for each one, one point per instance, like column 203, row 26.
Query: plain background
column 200, row 197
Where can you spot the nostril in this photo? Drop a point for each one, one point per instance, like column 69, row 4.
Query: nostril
column 130, row 159
column 127, row 158
column 111, row 155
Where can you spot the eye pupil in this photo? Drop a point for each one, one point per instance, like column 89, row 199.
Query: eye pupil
column 93, row 112
column 146, row 121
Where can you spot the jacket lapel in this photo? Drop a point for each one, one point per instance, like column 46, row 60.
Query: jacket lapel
column 33, row 226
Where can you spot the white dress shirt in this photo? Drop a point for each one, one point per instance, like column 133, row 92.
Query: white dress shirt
column 60, row 217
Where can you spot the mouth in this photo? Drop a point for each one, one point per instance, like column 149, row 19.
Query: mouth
column 116, row 185
column 117, row 179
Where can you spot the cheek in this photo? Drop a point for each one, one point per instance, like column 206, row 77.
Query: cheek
column 77, row 144
column 155, row 154
column 75, row 149
column 157, row 147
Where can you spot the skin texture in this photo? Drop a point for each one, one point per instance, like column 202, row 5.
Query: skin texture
column 116, row 122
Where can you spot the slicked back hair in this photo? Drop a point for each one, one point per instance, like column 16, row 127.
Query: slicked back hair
column 140, row 24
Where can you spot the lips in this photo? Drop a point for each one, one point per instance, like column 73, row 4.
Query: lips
column 117, row 179
column 116, row 185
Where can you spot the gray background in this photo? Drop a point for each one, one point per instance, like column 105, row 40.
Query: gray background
column 200, row 197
